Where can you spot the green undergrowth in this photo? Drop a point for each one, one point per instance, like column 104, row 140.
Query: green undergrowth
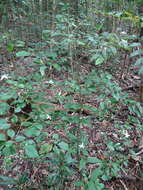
column 45, row 141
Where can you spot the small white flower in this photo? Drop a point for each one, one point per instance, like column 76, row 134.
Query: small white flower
column 51, row 82
column 59, row 93
column 125, row 132
column 48, row 117
column 123, row 32
column 5, row 76
column 124, row 41
column 81, row 146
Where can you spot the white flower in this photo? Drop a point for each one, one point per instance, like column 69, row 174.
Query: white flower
column 48, row 117
column 81, row 146
column 123, row 32
column 51, row 82
column 125, row 132
column 59, row 93
column 5, row 76
column 124, row 41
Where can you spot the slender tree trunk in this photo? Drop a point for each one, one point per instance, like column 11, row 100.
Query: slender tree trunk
column 44, row 5
column 76, row 10
column 37, row 6
column 140, row 11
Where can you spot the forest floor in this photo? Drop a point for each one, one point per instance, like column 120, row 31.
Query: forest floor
column 103, row 129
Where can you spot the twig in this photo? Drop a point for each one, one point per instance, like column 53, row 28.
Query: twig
column 130, row 88
column 125, row 187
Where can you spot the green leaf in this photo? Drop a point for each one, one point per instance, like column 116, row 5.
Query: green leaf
column 2, row 137
column 57, row 67
column 31, row 151
column 38, row 126
column 31, row 132
column 93, row 160
column 73, row 106
column 135, row 44
column 82, row 164
column 99, row 61
column 42, row 70
column 136, row 53
column 9, row 148
column 18, row 109
column 91, row 185
column 14, row 119
column 10, row 46
column 94, row 57
column 4, row 107
column 23, row 54
column 3, row 124
column 21, row 85
column 19, row 138
column 10, row 133
column 63, row 146
column 5, row 96
column 20, row 43
column 79, row 183
column 4, row 180
column 96, row 173
column 139, row 62
column 45, row 148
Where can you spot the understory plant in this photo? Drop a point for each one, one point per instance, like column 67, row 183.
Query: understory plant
column 53, row 133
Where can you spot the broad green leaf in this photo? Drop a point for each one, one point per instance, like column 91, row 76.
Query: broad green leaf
column 4, row 180
column 93, row 160
column 31, row 151
column 91, row 185
column 72, row 106
column 6, row 96
column 38, row 126
column 20, row 43
column 139, row 61
column 2, row 137
column 96, row 173
column 45, row 148
column 79, row 183
column 4, row 107
column 31, row 132
column 136, row 53
column 99, row 61
column 19, row 138
column 82, row 164
column 57, row 67
column 14, row 119
column 94, row 57
column 10, row 133
column 4, row 124
column 18, row 109
column 9, row 148
column 21, row 85
column 23, row 54
column 135, row 44
column 10, row 46
column 63, row 146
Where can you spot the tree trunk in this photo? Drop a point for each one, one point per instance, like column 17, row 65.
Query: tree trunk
column 44, row 5
column 140, row 11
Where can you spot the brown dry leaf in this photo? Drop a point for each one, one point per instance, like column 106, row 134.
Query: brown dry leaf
column 98, row 136
column 105, row 123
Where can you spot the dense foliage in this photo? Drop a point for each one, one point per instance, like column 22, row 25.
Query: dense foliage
column 71, row 94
